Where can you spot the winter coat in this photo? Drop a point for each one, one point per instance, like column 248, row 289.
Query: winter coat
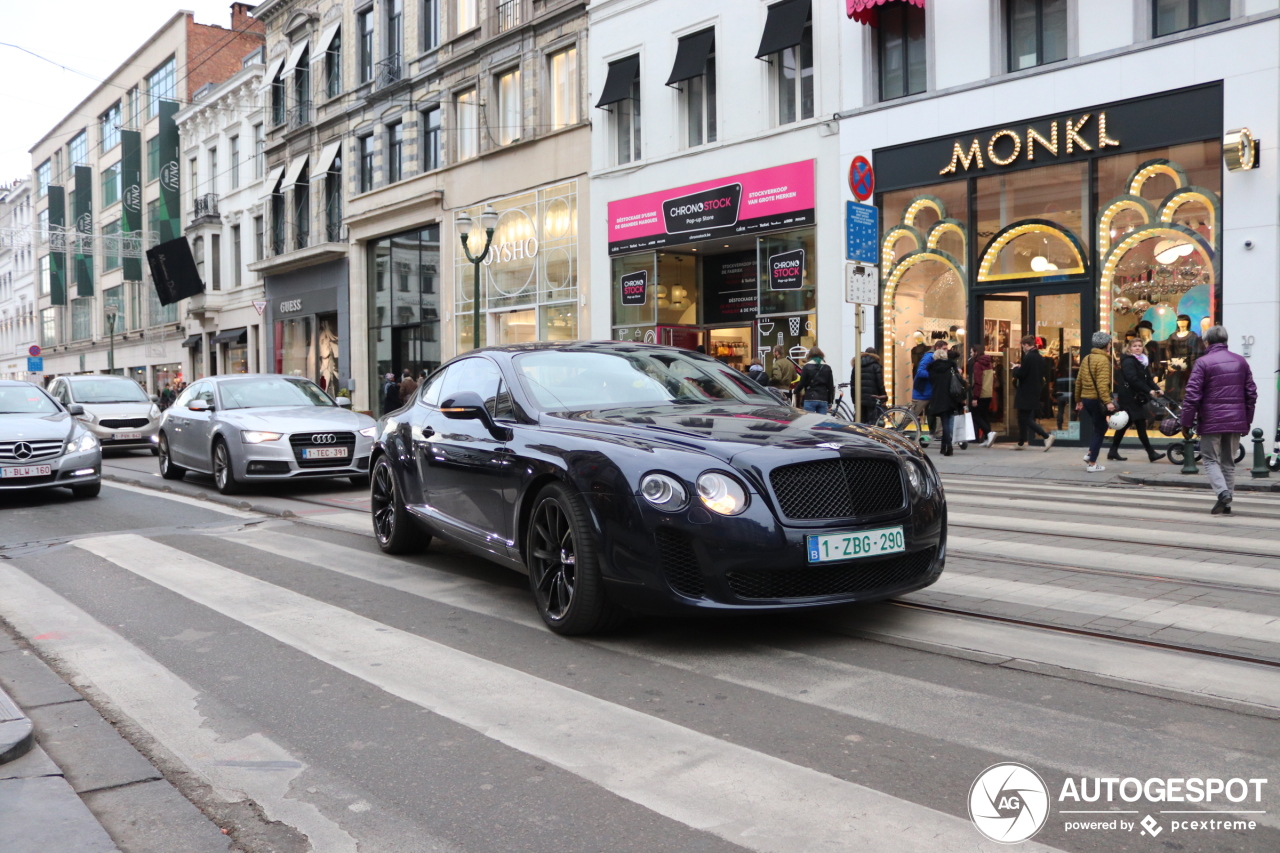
column 817, row 382
column 922, row 388
column 981, row 370
column 1135, row 387
column 1030, row 374
column 783, row 373
column 390, row 396
column 756, row 372
column 872, row 378
column 1220, row 395
column 1093, row 382
column 407, row 389
column 940, row 372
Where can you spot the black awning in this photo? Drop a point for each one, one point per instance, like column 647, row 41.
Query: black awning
column 231, row 336
column 617, row 86
column 193, row 341
column 784, row 27
column 691, row 56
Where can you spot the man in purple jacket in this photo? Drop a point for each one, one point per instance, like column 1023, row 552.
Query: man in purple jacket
column 1219, row 400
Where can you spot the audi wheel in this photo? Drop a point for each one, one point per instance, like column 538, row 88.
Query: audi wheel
column 168, row 470
column 223, row 477
column 564, row 571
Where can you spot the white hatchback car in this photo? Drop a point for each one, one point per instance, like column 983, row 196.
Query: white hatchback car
column 116, row 409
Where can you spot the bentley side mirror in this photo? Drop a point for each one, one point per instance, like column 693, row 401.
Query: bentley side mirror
column 199, row 406
column 75, row 409
column 343, row 402
column 465, row 406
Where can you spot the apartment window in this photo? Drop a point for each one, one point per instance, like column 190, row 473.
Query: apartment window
column 431, row 140
column 235, row 162
column 48, row 327
column 193, row 176
column 467, row 125
column 111, row 245
column 161, row 86
column 153, row 214
column 213, row 170
column 277, row 223
column 153, row 158
column 42, row 223
column 1174, row 16
column 111, row 184
column 621, row 97
column 365, row 145
column 563, row 67
column 81, row 319
column 787, row 45
column 302, row 211
column 509, row 109
column 236, row 258
column 277, row 100
column 78, row 150
column 302, row 89
column 430, row 24
column 197, row 255
column 215, row 261
column 1037, row 32
column 131, row 105
column 395, row 152
column 46, row 276
column 258, row 245
column 43, row 174
column 333, row 66
column 695, row 73
column 259, row 151
column 364, row 32
column 902, row 50
column 468, row 15
column 333, row 201
column 109, row 124
column 395, row 31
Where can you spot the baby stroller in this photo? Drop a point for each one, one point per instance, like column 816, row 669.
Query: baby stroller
column 1167, row 411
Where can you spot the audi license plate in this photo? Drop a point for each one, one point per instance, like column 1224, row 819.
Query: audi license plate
column 127, row 436
column 830, row 547
column 324, row 453
column 26, row 471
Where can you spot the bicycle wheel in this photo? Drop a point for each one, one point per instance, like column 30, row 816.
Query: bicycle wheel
column 843, row 411
column 901, row 420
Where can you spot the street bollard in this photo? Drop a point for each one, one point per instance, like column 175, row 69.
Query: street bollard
column 1189, row 454
column 1260, row 468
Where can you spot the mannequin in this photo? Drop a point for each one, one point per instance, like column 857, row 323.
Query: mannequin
column 1183, row 347
column 918, row 351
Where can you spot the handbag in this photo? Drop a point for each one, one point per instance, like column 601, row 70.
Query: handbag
column 959, row 393
column 962, row 428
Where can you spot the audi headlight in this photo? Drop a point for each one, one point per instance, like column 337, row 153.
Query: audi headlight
column 369, row 432
column 721, row 493
column 84, row 443
column 663, row 491
column 251, row 436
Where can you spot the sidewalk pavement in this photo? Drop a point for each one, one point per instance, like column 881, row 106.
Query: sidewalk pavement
column 1067, row 464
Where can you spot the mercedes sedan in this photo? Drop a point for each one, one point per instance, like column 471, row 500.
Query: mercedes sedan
column 634, row 477
column 247, row 428
column 42, row 445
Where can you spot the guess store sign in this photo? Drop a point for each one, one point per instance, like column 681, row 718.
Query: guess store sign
column 766, row 200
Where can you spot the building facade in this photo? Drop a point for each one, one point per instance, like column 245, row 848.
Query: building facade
column 109, row 187
column 1057, row 169
column 17, row 279
column 224, row 212
column 714, row 212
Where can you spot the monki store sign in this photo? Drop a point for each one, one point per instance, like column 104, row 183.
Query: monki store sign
column 1005, row 146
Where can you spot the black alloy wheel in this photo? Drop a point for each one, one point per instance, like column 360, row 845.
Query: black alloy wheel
column 168, row 470
column 393, row 527
column 564, row 570
column 223, row 477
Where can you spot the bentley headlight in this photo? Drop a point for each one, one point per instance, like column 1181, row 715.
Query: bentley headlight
column 917, row 479
column 721, row 493
column 252, row 436
column 369, row 432
column 84, row 443
column 663, row 491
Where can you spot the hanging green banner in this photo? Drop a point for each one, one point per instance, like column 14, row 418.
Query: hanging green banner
column 131, row 198
column 84, row 228
column 169, row 216
column 57, row 246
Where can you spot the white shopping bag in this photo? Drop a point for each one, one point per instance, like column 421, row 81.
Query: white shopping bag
column 962, row 428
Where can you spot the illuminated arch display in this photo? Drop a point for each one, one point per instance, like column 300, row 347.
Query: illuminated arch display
column 1150, row 169
column 1179, row 233
column 888, row 254
column 1062, row 242
column 1108, row 213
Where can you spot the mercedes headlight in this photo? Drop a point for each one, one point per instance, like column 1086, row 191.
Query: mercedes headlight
column 84, row 443
column 252, row 436
column 721, row 493
column 663, row 491
column 369, row 432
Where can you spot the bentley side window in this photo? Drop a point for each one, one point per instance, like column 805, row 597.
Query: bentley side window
column 473, row 374
column 429, row 394
column 502, row 408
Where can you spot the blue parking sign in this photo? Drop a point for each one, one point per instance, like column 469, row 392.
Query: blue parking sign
column 35, row 364
column 862, row 233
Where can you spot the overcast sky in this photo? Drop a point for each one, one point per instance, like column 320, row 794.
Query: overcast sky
column 90, row 36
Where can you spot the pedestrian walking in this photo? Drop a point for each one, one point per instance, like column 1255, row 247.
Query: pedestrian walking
column 1094, row 395
column 922, row 387
column 1218, row 403
column 783, row 373
column 756, row 371
column 407, row 387
column 390, row 393
column 1134, row 389
column 872, row 384
column 945, row 403
column 817, row 385
column 1030, row 373
column 982, row 373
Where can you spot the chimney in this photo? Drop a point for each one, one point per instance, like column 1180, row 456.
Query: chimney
column 240, row 19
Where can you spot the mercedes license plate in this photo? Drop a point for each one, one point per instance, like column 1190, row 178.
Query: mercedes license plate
column 324, row 453
column 127, row 436
column 26, row 471
column 830, row 547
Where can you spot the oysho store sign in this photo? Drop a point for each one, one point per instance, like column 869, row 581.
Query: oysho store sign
column 535, row 236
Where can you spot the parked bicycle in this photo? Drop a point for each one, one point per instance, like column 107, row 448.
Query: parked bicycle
column 899, row 419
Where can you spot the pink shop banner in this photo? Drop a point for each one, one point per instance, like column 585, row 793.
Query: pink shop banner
column 767, row 200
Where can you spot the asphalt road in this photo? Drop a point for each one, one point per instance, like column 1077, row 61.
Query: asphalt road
column 355, row 701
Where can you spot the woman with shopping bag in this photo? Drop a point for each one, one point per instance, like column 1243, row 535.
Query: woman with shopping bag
column 948, row 396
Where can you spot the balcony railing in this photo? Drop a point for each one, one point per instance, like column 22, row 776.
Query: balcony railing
column 299, row 115
column 205, row 206
column 509, row 15
column 388, row 71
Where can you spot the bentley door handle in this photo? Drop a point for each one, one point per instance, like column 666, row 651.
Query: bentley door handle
column 423, row 434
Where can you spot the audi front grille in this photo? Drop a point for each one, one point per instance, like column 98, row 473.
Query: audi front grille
column 30, row 451
column 838, row 488
column 305, row 440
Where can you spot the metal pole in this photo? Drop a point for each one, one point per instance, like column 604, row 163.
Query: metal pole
column 857, row 364
column 111, row 352
column 475, row 319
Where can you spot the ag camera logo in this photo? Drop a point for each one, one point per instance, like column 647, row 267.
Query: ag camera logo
column 1008, row 803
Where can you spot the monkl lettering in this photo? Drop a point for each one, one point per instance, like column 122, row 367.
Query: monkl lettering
column 1004, row 147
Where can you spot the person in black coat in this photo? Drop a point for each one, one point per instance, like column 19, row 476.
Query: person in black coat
column 1136, row 388
column 942, row 405
column 1030, row 373
column 390, row 393
column 872, row 384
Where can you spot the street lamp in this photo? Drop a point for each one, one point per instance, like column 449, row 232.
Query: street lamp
column 488, row 221
column 111, row 312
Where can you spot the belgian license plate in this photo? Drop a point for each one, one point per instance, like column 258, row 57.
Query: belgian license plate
column 127, row 436
column 26, row 471
column 325, row 453
column 830, row 547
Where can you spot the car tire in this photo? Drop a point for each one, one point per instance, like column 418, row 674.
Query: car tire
column 155, row 451
column 223, row 475
column 168, row 470
column 360, row 481
column 393, row 526
column 90, row 490
column 564, row 566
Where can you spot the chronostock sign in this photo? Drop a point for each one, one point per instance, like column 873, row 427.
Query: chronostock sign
column 765, row 200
